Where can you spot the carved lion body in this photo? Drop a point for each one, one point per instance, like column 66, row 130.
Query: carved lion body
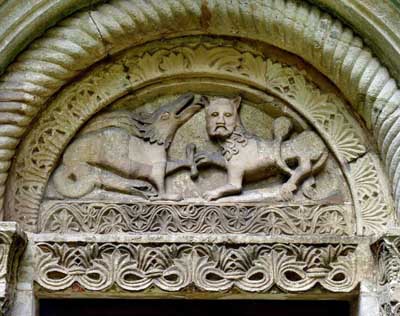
column 123, row 152
column 248, row 158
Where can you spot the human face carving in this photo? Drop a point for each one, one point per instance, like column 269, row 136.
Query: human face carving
column 222, row 117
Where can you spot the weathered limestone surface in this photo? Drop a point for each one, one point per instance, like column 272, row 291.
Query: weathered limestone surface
column 388, row 256
column 200, row 149
column 282, row 88
column 12, row 245
column 343, row 58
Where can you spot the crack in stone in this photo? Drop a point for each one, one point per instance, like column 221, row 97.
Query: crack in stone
column 102, row 39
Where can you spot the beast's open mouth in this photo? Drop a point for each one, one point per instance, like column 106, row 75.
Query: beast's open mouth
column 187, row 106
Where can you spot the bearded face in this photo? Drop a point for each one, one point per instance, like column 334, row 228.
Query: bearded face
column 222, row 117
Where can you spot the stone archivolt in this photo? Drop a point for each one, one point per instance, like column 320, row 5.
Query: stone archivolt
column 175, row 267
column 30, row 85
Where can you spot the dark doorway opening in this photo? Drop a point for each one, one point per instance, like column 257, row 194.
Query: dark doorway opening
column 120, row 307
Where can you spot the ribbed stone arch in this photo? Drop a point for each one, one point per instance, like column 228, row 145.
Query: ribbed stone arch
column 89, row 36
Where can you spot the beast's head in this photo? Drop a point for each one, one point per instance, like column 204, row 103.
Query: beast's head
column 222, row 117
column 161, row 126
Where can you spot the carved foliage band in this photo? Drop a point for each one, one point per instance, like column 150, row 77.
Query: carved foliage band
column 103, row 217
column 253, row 268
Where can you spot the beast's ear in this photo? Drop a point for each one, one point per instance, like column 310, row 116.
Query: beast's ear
column 204, row 101
column 236, row 102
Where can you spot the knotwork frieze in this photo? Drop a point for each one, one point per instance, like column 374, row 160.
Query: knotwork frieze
column 176, row 267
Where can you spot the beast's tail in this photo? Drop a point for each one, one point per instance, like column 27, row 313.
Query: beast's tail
column 320, row 162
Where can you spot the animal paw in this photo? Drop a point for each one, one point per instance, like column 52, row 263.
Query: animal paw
column 287, row 191
column 167, row 197
column 309, row 192
column 201, row 158
column 211, row 195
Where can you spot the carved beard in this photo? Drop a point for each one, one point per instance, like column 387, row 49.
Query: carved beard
column 230, row 144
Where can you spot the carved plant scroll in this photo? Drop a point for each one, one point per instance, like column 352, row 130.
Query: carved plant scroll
column 175, row 267
column 146, row 218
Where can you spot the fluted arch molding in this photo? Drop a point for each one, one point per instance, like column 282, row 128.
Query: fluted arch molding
column 89, row 36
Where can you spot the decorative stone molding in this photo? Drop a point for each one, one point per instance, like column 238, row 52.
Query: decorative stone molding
column 158, row 218
column 388, row 257
column 175, row 267
column 12, row 244
column 42, row 148
column 85, row 38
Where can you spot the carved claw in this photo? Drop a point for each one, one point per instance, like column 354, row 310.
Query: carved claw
column 167, row 197
column 211, row 195
column 308, row 188
column 201, row 157
column 287, row 191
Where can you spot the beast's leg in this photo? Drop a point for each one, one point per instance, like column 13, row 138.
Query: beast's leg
column 159, row 174
column 114, row 182
column 304, row 169
column 234, row 186
column 308, row 187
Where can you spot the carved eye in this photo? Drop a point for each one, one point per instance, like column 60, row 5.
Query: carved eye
column 165, row 116
column 228, row 114
column 215, row 114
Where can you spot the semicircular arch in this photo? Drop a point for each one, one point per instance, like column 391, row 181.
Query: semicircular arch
column 87, row 37
column 140, row 67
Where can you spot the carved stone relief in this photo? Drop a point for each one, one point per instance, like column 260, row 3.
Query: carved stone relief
column 114, row 157
column 200, row 154
column 334, row 131
column 12, row 244
column 318, row 38
column 214, row 218
column 125, row 153
column 175, row 267
column 388, row 257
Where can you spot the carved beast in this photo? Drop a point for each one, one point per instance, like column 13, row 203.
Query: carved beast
column 246, row 157
column 124, row 152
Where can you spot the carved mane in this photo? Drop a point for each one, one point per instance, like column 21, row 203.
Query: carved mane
column 230, row 146
column 137, row 124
